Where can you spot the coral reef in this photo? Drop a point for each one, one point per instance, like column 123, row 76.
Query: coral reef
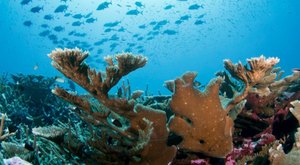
column 247, row 115
column 146, row 129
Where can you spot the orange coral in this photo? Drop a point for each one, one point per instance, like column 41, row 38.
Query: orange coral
column 200, row 119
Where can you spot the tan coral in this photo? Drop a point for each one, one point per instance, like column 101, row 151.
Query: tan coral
column 200, row 119
column 144, row 123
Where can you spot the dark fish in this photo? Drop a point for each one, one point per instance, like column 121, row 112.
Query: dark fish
column 48, row 17
column 199, row 22
column 133, row 12
column 44, row 25
column 67, row 14
column 36, row 9
column 169, row 7
column 112, row 24
column 44, row 33
column 101, row 42
column 139, row 4
column 52, row 37
column 25, row 2
column 116, row 122
column 140, row 38
column 108, row 30
column 169, row 32
column 185, row 17
column 142, row 26
column 114, row 37
column 59, row 28
column 77, row 23
column 121, row 29
column 61, row 9
column 88, row 15
column 91, row 20
column 80, row 34
column 77, row 16
column 103, row 5
column 195, row 7
column 27, row 23
column 153, row 23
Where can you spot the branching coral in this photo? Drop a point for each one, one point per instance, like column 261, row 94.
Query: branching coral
column 121, row 141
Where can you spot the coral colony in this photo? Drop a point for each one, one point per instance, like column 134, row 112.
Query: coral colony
column 249, row 114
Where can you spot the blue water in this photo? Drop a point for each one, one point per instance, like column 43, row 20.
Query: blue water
column 175, row 35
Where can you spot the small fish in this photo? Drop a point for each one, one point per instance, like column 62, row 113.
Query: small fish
column 199, row 22
column 36, row 9
column 58, row 28
column 142, row 26
column 168, row 7
column 103, row 5
column 195, row 7
column 111, row 24
column 52, row 37
column 48, row 17
column 25, row 2
column 88, row 15
column 139, row 4
column 27, row 23
column 77, row 16
column 45, row 26
column 77, row 23
column 44, row 33
column 36, row 67
column 59, row 79
column 61, row 9
column 133, row 12
column 169, row 32
column 67, row 14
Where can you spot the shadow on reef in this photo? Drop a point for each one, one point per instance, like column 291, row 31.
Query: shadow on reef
column 247, row 115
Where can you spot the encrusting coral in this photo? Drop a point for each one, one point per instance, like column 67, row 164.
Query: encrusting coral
column 134, row 142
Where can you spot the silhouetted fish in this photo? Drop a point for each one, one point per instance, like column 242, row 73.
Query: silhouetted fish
column 139, row 4
column 169, row 32
column 36, row 9
column 77, row 16
column 111, row 24
column 48, row 17
column 61, row 9
column 195, row 7
column 44, row 33
column 77, row 23
column 142, row 26
column 59, row 28
column 52, row 37
column 133, row 12
column 103, row 5
column 27, row 23
column 44, row 25
column 25, row 2
column 169, row 7
column 88, row 15
column 121, row 29
column 199, row 22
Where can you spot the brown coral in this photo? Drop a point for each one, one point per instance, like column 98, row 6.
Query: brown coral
column 200, row 119
column 144, row 139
